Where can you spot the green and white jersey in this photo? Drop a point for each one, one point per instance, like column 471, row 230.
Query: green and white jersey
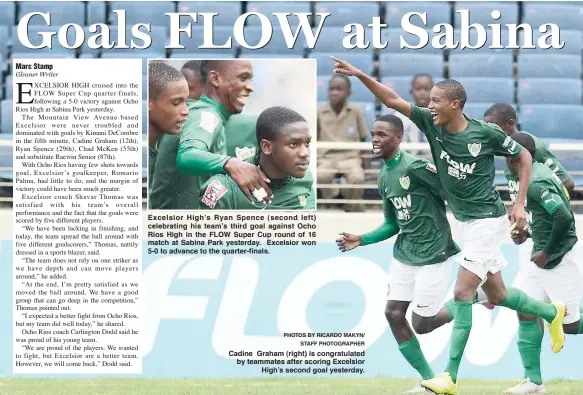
column 203, row 130
column 412, row 194
column 152, row 152
column 545, row 194
column 221, row 192
column 465, row 164
column 542, row 155
column 241, row 136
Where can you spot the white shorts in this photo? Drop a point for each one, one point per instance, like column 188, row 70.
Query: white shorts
column 481, row 240
column 563, row 283
column 425, row 286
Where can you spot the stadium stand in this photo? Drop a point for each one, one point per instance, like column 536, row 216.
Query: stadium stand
column 543, row 84
column 437, row 12
column 401, row 64
column 325, row 64
column 61, row 12
column 343, row 13
column 549, row 91
column 490, row 65
column 136, row 12
column 481, row 12
column 537, row 65
column 269, row 8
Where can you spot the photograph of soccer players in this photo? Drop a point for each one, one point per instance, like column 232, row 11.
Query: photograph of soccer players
column 245, row 143
column 463, row 150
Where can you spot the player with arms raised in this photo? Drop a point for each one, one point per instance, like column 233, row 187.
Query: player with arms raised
column 463, row 150
column 414, row 209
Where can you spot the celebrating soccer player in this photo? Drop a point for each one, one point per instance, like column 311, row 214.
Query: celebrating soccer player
column 185, row 162
column 414, row 208
column 463, row 150
column 284, row 138
column 504, row 115
column 554, row 273
column 167, row 111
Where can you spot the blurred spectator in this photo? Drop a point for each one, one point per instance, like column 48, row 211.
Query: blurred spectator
column 191, row 71
column 421, row 85
column 341, row 121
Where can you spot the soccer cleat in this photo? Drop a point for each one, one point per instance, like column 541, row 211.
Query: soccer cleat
column 526, row 387
column 556, row 328
column 418, row 389
column 441, row 384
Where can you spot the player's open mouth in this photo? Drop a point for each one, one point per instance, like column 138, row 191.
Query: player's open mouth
column 242, row 100
column 179, row 124
column 376, row 149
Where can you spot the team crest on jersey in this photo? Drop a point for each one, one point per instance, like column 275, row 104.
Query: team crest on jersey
column 213, row 193
column 405, row 182
column 303, row 200
column 475, row 148
column 208, row 121
column 245, row 152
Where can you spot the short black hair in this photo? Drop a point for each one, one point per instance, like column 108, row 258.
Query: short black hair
column 206, row 66
column 159, row 75
column 194, row 66
column 393, row 120
column 502, row 112
column 273, row 119
column 342, row 77
column 526, row 141
column 454, row 90
column 420, row 75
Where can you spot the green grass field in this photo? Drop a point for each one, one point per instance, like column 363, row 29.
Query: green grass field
column 316, row 386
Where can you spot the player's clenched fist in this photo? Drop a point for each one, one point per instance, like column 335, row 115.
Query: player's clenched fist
column 347, row 242
column 518, row 236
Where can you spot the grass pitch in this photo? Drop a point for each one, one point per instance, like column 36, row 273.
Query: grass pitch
column 315, row 386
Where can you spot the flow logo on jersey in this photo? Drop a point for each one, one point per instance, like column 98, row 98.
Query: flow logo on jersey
column 403, row 205
column 457, row 169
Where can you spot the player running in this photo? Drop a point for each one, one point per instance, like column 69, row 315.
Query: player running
column 554, row 273
column 463, row 150
column 187, row 161
column 167, row 111
column 283, row 137
column 414, row 209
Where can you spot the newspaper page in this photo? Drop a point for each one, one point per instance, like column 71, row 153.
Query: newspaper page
column 291, row 197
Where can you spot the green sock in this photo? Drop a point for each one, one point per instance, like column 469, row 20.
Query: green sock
column 530, row 337
column 580, row 322
column 462, row 326
column 450, row 307
column 411, row 350
column 519, row 301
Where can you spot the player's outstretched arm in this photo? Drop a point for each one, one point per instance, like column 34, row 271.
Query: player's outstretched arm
column 386, row 95
column 386, row 230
